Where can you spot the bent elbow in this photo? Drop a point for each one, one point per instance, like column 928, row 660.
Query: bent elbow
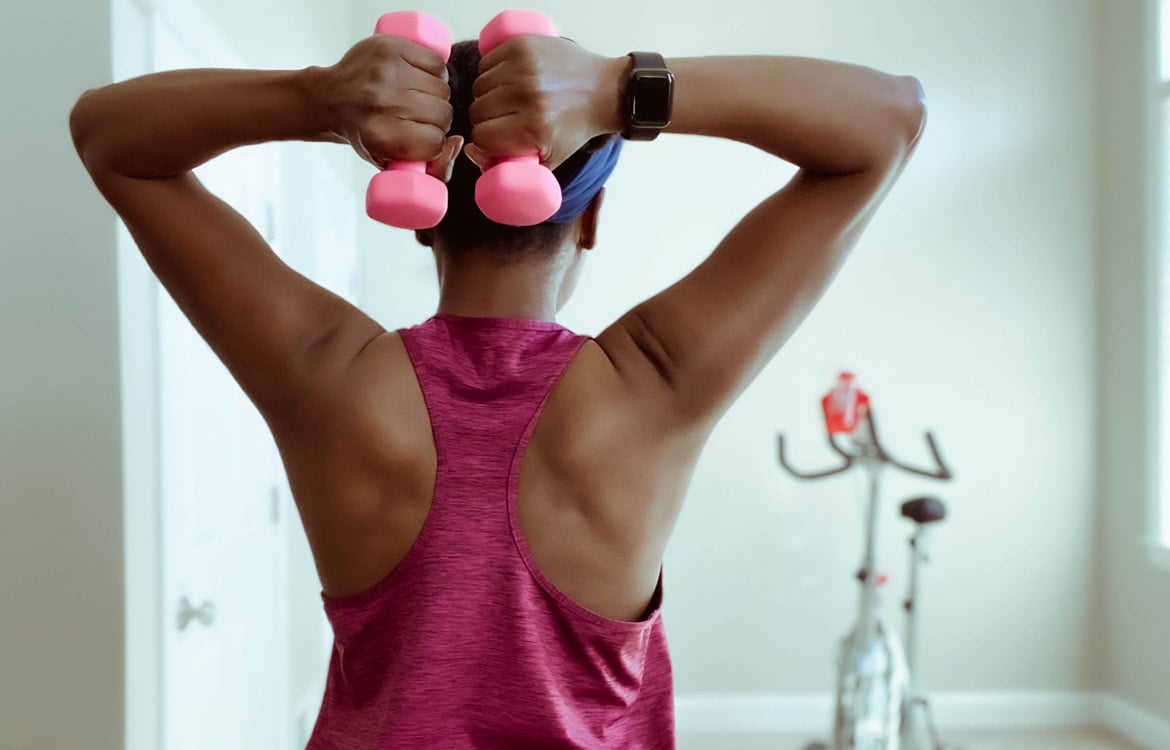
column 901, row 110
column 912, row 106
column 78, row 128
column 83, row 125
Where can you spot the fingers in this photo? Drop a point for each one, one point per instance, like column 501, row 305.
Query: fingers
column 506, row 121
column 509, row 111
column 493, row 58
column 510, row 136
column 396, row 100
column 427, row 84
column 403, row 141
column 478, row 156
column 443, row 166
column 487, row 80
column 413, row 130
column 427, row 109
column 423, row 58
column 501, row 102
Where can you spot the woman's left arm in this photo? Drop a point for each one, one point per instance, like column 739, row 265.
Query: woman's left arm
column 277, row 332
column 165, row 124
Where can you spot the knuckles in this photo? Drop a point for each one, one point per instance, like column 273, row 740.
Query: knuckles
column 409, row 142
column 378, row 97
column 385, row 119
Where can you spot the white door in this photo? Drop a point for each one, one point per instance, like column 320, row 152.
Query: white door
column 223, row 644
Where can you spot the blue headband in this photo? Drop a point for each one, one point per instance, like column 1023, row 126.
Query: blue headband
column 576, row 195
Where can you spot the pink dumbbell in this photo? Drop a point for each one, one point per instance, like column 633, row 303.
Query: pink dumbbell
column 404, row 195
column 519, row 190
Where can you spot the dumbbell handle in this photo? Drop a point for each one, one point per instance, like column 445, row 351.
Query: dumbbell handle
column 403, row 194
column 517, row 190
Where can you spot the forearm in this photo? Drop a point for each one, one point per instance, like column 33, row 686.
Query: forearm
column 825, row 117
column 165, row 124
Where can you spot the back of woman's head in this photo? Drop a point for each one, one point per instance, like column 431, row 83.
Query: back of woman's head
column 465, row 229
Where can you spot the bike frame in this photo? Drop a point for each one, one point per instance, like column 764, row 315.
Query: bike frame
column 875, row 691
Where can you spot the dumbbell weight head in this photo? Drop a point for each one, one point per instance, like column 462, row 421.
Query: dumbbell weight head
column 404, row 195
column 512, row 23
column 518, row 191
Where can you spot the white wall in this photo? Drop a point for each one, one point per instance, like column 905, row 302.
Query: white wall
column 1137, row 594
column 61, row 623
column 61, row 483
column 287, row 34
column 293, row 35
column 968, row 308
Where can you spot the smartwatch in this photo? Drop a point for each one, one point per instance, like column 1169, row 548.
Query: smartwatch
column 648, row 97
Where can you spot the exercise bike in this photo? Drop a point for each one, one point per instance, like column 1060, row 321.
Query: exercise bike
column 878, row 706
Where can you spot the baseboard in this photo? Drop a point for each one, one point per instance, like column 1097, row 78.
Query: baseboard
column 785, row 713
column 1016, row 710
column 1136, row 724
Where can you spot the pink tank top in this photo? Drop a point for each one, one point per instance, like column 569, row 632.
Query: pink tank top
column 466, row 644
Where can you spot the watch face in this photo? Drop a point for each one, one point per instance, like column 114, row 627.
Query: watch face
column 652, row 99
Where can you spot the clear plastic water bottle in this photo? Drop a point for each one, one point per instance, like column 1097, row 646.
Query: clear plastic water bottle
column 869, row 708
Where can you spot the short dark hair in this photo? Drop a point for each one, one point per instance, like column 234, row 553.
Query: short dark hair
column 465, row 228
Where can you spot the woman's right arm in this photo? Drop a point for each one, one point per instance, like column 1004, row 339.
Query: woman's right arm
column 687, row 352
column 850, row 130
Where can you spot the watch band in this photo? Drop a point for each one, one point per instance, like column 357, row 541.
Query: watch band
column 648, row 97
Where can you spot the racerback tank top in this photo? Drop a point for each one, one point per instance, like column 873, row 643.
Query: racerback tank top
column 466, row 644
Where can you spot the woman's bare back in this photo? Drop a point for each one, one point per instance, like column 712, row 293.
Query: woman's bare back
column 599, row 488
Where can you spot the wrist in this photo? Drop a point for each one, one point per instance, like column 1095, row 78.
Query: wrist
column 315, row 86
column 609, row 107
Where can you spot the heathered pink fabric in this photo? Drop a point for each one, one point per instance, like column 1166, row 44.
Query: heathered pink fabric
column 466, row 644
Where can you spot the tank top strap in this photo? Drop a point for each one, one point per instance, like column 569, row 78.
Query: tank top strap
column 485, row 376
column 485, row 382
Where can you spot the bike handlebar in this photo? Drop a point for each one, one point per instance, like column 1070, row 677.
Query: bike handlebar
column 816, row 474
column 940, row 470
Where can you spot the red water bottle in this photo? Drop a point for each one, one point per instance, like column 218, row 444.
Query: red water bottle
column 844, row 405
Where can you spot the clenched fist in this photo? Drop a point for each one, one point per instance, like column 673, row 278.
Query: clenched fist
column 389, row 99
column 542, row 94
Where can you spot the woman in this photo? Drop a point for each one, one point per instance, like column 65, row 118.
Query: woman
column 488, row 495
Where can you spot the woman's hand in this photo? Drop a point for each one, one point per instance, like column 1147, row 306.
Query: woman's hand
column 542, row 94
column 390, row 100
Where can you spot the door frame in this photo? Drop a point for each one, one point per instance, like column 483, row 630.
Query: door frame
column 146, row 614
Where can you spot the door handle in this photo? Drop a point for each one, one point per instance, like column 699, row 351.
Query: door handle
column 205, row 613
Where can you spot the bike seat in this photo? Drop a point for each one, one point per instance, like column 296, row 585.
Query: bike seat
column 924, row 510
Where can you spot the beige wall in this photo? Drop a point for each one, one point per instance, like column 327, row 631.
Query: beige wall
column 61, row 622
column 1136, row 598
column 967, row 308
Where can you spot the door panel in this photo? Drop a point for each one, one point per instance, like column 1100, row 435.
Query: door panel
column 221, row 529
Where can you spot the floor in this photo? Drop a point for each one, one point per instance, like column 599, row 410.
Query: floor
column 1082, row 739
